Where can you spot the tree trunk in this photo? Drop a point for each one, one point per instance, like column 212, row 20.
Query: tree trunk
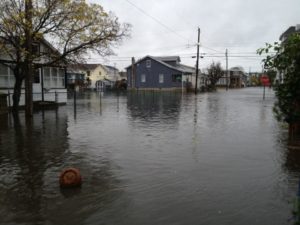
column 17, row 94
column 28, row 90
column 28, row 59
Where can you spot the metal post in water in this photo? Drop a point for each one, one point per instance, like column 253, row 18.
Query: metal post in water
column 100, row 96
column 9, row 104
column 264, row 95
column 117, row 101
column 42, row 84
column 75, row 102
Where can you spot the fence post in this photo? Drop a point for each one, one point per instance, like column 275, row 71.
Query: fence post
column 56, row 97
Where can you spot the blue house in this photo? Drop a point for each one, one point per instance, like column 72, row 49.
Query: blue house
column 150, row 73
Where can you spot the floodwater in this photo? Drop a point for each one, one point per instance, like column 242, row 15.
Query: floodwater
column 151, row 158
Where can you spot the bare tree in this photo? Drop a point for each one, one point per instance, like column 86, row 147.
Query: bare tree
column 74, row 27
column 215, row 72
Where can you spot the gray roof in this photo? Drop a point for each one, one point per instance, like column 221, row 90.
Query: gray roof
column 168, row 58
column 179, row 67
column 111, row 68
column 186, row 69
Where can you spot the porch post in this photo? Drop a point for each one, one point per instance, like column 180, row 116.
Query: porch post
column 42, row 83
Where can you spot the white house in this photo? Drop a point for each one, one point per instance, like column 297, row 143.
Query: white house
column 49, row 83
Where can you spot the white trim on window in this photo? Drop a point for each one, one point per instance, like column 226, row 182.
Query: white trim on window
column 143, row 78
column 161, row 78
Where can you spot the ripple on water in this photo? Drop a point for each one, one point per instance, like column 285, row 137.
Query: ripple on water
column 151, row 158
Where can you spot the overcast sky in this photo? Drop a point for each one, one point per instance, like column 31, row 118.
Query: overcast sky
column 169, row 27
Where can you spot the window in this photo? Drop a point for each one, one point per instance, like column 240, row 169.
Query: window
column 36, row 49
column 161, row 78
column 148, row 63
column 143, row 78
column 36, row 78
column 61, row 78
column 88, row 73
column 7, row 77
column 47, row 77
column 4, row 76
column 176, row 78
column 54, row 76
column 12, row 78
column 3, row 69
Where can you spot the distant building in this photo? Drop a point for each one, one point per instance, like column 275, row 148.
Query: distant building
column 291, row 30
column 112, row 73
column 238, row 78
column 254, row 78
column 283, row 37
column 96, row 76
column 160, row 73
column 76, row 76
column 123, row 75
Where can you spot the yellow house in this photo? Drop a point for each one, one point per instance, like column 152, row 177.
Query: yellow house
column 98, row 75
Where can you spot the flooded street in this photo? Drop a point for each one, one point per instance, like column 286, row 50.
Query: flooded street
column 151, row 158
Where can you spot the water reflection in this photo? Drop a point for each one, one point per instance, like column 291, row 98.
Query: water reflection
column 32, row 154
column 28, row 151
column 151, row 108
column 290, row 157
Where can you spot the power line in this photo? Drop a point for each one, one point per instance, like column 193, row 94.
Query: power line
column 184, row 55
column 211, row 49
column 156, row 20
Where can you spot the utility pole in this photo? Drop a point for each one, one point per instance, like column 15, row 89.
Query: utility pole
column 226, row 55
column 197, row 62
column 262, row 74
column 132, row 73
column 115, row 76
column 250, row 77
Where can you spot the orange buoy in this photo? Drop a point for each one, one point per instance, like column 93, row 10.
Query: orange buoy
column 70, row 177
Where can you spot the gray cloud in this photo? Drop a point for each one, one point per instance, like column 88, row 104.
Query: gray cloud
column 240, row 26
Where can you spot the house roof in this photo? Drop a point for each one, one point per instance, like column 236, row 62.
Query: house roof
column 50, row 46
column 111, row 69
column 186, row 69
column 90, row 66
column 237, row 68
column 162, row 60
column 290, row 30
column 82, row 67
column 168, row 58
